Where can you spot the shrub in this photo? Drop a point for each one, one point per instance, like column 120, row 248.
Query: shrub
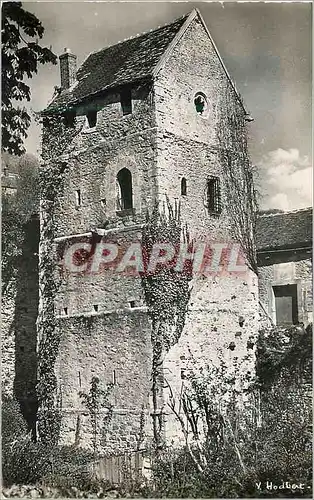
column 24, row 462
column 175, row 475
column 268, row 439
column 13, row 425
column 70, row 467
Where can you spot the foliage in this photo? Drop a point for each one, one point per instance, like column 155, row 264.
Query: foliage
column 283, row 440
column 12, row 237
column 176, row 476
column 96, row 401
column 25, row 462
column 234, row 443
column 17, row 211
column 210, row 413
column 13, row 425
column 56, row 139
column 70, row 467
column 238, row 171
column 284, row 352
column 21, row 56
column 164, row 287
column 167, row 293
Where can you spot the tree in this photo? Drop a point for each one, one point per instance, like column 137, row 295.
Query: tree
column 20, row 58
column 17, row 211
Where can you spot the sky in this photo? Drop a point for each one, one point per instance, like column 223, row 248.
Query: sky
column 266, row 48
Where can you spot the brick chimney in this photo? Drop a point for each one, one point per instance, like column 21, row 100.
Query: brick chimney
column 67, row 69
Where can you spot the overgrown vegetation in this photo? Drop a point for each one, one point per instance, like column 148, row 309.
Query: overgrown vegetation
column 21, row 55
column 97, row 402
column 57, row 138
column 242, row 449
column 234, row 448
column 167, row 294
column 241, row 195
column 26, row 462
column 18, row 207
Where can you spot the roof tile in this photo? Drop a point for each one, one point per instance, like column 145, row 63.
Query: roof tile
column 120, row 64
column 284, row 230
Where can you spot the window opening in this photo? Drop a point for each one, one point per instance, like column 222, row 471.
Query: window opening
column 124, row 186
column 92, row 118
column 69, row 119
column 78, row 198
column 213, row 195
column 126, row 101
column 200, row 103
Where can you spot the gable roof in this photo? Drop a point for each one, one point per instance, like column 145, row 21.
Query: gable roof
column 121, row 64
column 285, row 230
column 131, row 60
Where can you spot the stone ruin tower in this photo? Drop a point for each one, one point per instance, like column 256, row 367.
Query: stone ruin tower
column 138, row 122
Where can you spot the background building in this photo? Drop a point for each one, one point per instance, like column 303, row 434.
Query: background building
column 284, row 246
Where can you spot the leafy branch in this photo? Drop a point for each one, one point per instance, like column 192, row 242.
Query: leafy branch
column 20, row 60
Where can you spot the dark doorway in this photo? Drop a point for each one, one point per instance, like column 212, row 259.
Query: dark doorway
column 286, row 302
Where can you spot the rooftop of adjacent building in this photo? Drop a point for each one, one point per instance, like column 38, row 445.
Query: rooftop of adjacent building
column 277, row 229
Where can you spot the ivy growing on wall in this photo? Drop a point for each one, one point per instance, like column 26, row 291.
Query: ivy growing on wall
column 241, row 199
column 167, row 294
column 95, row 400
column 57, row 137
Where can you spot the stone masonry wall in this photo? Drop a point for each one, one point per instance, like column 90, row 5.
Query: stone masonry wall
column 19, row 339
column 97, row 154
column 116, row 348
column 188, row 147
column 188, row 144
column 116, row 337
column 105, row 288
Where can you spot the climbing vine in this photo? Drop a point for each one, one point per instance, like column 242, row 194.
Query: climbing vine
column 167, row 294
column 57, row 137
column 96, row 399
column 238, row 171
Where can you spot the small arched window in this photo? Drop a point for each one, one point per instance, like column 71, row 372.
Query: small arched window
column 201, row 104
column 183, row 186
column 124, row 187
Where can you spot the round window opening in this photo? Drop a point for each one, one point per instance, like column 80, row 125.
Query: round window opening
column 200, row 103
